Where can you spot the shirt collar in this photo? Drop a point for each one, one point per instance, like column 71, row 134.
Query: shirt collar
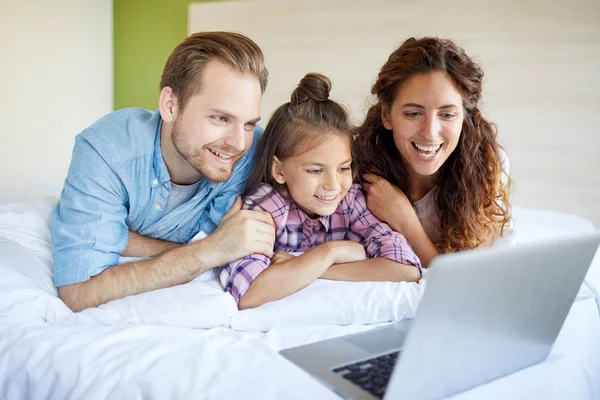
column 161, row 174
column 305, row 219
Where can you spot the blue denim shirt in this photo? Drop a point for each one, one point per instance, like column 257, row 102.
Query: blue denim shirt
column 118, row 181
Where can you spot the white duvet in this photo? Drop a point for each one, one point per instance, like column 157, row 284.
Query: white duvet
column 191, row 342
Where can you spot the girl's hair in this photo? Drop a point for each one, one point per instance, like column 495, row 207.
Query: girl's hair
column 297, row 127
column 470, row 196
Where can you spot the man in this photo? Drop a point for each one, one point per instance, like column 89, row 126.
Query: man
column 142, row 184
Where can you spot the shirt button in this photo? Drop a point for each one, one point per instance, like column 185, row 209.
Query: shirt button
column 157, row 206
column 155, row 182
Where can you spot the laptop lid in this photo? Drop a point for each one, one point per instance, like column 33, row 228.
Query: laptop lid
column 486, row 314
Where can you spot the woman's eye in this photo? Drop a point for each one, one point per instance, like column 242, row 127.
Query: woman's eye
column 448, row 115
column 412, row 114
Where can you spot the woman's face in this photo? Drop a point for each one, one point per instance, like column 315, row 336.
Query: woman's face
column 426, row 118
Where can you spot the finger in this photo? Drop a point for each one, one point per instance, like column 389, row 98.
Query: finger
column 368, row 177
column 366, row 186
column 237, row 206
column 261, row 216
column 267, row 238
column 260, row 227
column 263, row 248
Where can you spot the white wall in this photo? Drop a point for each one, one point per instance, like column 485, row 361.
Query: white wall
column 541, row 59
column 55, row 79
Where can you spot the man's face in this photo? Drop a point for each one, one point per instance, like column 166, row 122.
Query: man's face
column 216, row 126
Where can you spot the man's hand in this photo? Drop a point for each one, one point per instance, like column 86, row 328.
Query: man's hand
column 240, row 233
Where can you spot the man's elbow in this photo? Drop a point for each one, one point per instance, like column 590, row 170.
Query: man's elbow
column 69, row 295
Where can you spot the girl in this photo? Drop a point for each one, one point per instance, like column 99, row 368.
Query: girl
column 303, row 177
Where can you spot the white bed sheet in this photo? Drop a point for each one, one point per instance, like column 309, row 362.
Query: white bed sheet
column 38, row 361
column 68, row 359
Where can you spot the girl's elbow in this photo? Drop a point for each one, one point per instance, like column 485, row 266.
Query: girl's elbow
column 410, row 273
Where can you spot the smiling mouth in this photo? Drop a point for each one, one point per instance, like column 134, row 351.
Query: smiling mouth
column 427, row 151
column 327, row 199
column 221, row 156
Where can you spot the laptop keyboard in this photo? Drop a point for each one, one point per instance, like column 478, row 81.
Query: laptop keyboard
column 372, row 375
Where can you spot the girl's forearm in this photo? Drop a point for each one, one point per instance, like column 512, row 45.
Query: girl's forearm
column 372, row 270
column 282, row 279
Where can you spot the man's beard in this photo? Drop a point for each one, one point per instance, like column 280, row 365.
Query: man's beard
column 198, row 158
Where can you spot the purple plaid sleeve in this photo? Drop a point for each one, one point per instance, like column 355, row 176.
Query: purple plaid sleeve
column 377, row 236
column 236, row 277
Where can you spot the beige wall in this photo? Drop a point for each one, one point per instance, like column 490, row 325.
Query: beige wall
column 541, row 59
column 55, row 79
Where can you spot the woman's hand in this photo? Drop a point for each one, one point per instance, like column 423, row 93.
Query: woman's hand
column 388, row 203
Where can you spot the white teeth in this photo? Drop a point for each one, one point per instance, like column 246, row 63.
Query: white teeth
column 224, row 157
column 326, row 198
column 428, row 148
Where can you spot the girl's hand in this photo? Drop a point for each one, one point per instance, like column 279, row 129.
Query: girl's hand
column 345, row 251
column 281, row 256
column 388, row 203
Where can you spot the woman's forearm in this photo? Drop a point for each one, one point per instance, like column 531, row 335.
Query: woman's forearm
column 282, row 279
column 372, row 270
column 418, row 239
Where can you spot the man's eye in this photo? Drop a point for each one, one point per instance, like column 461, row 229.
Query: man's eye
column 250, row 126
column 219, row 118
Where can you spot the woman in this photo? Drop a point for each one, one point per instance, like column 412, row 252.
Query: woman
column 432, row 167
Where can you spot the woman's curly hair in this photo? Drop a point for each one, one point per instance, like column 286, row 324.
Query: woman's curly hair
column 470, row 196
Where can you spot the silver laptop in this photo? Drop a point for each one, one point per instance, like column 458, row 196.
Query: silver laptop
column 484, row 314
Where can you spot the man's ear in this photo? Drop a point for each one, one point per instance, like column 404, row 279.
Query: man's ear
column 168, row 104
column 385, row 117
column 277, row 170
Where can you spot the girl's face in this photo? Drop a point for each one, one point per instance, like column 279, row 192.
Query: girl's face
column 426, row 118
column 318, row 179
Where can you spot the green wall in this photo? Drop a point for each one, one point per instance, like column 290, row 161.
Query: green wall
column 145, row 33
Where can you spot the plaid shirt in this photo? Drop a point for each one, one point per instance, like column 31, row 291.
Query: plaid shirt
column 296, row 232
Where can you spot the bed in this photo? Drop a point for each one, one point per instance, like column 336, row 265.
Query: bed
column 190, row 341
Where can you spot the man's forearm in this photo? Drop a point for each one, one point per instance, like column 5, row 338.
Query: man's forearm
column 174, row 267
column 142, row 246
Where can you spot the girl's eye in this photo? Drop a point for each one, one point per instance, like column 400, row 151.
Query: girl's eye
column 345, row 169
column 313, row 171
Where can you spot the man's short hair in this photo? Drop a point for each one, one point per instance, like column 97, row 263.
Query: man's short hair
column 183, row 70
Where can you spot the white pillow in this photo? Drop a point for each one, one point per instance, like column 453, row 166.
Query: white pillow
column 198, row 304
column 326, row 302
column 27, row 288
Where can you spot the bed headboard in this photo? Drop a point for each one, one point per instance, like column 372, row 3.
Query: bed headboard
column 541, row 61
